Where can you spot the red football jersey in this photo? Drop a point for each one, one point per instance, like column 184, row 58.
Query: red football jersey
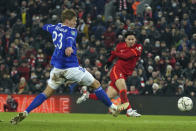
column 127, row 57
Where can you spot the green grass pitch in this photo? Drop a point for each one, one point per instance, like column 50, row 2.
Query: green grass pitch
column 97, row 122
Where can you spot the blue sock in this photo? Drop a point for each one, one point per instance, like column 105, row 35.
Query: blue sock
column 101, row 95
column 36, row 102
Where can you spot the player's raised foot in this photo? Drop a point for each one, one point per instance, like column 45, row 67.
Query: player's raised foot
column 21, row 116
column 132, row 113
column 122, row 107
column 83, row 98
column 114, row 112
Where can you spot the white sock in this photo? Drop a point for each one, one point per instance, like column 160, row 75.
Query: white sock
column 26, row 113
column 113, row 106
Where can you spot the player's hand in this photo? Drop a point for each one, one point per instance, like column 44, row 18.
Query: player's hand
column 107, row 65
column 68, row 51
column 138, row 50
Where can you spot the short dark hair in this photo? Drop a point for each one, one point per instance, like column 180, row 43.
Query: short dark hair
column 68, row 14
column 129, row 33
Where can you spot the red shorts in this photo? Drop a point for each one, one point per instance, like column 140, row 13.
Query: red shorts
column 116, row 74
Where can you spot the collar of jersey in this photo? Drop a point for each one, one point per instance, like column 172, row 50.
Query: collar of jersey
column 65, row 26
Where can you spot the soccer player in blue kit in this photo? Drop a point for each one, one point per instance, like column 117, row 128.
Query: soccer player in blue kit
column 66, row 67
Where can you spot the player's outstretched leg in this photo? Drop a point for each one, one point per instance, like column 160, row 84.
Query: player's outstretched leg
column 115, row 110
column 101, row 95
column 130, row 111
column 34, row 104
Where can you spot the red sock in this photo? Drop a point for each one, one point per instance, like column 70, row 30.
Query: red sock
column 93, row 96
column 123, row 97
column 129, row 106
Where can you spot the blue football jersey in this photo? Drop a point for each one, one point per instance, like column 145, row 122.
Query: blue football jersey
column 63, row 37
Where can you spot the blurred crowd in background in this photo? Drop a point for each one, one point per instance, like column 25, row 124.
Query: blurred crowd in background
column 165, row 28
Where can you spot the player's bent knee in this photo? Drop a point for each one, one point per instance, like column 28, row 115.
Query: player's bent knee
column 111, row 92
column 96, row 84
column 120, row 84
column 48, row 91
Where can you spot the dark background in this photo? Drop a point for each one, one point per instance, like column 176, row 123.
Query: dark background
column 146, row 105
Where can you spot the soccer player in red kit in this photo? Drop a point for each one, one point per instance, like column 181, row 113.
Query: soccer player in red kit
column 127, row 54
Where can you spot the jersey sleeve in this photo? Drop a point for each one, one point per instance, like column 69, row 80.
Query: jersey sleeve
column 130, row 53
column 113, row 56
column 70, row 38
column 69, row 42
column 48, row 27
column 118, row 47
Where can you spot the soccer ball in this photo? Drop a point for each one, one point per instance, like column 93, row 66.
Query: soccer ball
column 185, row 104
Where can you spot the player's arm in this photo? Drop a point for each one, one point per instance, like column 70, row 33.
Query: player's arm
column 109, row 62
column 48, row 27
column 69, row 41
column 112, row 55
column 129, row 53
column 111, row 58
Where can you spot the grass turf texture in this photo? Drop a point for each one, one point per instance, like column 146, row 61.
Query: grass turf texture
column 97, row 122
